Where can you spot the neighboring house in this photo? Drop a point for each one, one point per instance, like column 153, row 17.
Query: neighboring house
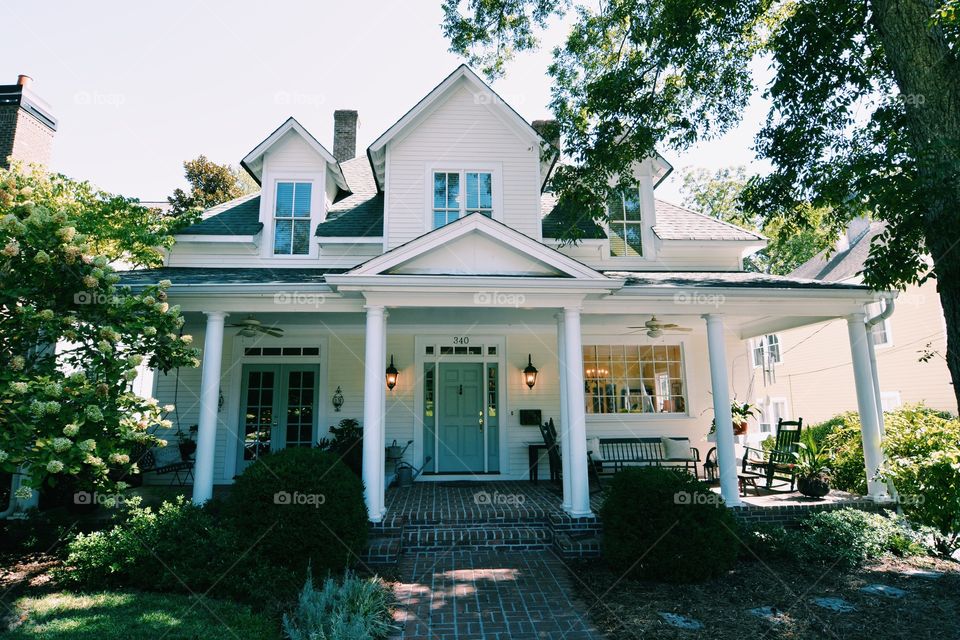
column 806, row 372
column 27, row 126
column 435, row 252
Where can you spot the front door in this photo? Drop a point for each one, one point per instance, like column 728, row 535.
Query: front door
column 460, row 418
column 279, row 409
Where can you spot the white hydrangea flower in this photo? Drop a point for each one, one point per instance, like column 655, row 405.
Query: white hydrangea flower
column 54, row 466
column 71, row 429
column 62, row 444
column 23, row 493
column 4, row 455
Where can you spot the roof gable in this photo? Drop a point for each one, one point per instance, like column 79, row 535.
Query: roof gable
column 476, row 246
column 253, row 161
column 462, row 76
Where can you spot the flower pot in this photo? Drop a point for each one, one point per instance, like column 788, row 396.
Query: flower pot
column 187, row 449
column 739, row 428
column 813, row 486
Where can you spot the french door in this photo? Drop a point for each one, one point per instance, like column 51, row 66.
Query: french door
column 278, row 409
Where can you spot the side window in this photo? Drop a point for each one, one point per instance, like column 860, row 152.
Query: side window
column 626, row 225
column 880, row 333
column 291, row 218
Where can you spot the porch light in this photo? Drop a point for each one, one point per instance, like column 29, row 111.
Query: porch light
column 530, row 373
column 337, row 399
column 392, row 375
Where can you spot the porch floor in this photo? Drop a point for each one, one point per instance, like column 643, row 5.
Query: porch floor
column 479, row 501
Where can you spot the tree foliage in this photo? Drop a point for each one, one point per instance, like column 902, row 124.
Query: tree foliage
column 71, row 338
column 210, row 184
column 864, row 117
column 792, row 239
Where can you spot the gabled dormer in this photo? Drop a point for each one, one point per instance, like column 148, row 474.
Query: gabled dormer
column 299, row 179
column 458, row 151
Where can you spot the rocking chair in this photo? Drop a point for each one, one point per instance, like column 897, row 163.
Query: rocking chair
column 778, row 463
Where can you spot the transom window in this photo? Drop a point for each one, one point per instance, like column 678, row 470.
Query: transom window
column 291, row 219
column 460, row 193
column 626, row 225
column 634, row 379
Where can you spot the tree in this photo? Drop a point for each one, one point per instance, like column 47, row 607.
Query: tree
column 71, row 338
column 790, row 244
column 210, row 184
column 864, row 118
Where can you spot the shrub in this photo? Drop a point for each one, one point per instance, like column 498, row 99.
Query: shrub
column 844, row 538
column 178, row 547
column 353, row 609
column 666, row 525
column 346, row 444
column 298, row 507
column 922, row 446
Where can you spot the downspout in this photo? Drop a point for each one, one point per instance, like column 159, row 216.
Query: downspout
column 885, row 313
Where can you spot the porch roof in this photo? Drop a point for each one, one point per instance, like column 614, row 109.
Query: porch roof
column 223, row 275
column 726, row 280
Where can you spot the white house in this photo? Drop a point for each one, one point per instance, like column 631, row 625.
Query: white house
column 436, row 250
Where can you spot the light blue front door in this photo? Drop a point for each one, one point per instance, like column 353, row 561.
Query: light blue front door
column 460, row 420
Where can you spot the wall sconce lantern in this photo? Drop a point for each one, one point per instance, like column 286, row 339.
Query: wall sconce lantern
column 337, row 399
column 530, row 373
column 392, row 375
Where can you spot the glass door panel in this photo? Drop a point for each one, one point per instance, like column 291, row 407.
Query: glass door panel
column 259, row 410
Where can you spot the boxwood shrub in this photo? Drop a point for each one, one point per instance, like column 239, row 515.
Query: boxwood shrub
column 300, row 507
column 666, row 525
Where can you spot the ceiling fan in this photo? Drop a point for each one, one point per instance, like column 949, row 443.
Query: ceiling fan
column 250, row 327
column 655, row 328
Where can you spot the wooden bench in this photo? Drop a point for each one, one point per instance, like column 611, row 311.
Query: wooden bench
column 619, row 453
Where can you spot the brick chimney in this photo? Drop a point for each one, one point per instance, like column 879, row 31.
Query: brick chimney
column 344, row 134
column 549, row 130
column 26, row 124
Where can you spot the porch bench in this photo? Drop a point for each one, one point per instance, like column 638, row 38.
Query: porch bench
column 160, row 462
column 618, row 453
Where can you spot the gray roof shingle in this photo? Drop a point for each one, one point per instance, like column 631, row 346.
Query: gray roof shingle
column 725, row 279
column 223, row 275
column 841, row 265
column 673, row 223
column 360, row 213
column 239, row 217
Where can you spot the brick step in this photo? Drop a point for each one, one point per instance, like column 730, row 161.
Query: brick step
column 382, row 550
column 576, row 545
column 477, row 537
column 474, row 519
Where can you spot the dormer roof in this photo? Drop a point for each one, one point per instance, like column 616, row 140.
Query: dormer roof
column 253, row 161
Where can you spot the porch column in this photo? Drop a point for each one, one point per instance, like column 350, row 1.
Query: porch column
column 576, row 416
column 720, row 385
column 866, row 404
column 373, row 404
column 209, row 403
column 564, row 431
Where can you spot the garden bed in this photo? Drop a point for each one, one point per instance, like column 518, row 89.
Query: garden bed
column 626, row 608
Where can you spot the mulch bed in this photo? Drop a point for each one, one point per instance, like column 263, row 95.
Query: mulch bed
column 631, row 609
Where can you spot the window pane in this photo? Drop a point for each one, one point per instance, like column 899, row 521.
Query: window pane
column 439, row 190
column 473, row 191
column 284, row 199
column 615, row 205
column 631, row 204
column 628, row 379
column 486, row 190
column 301, row 205
column 282, row 236
column 453, row 190
column 301, row 237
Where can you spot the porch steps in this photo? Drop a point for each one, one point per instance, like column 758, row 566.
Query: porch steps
column 576, row 545
column 478, row 536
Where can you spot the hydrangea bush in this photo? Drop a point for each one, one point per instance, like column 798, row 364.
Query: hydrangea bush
column 71, row 338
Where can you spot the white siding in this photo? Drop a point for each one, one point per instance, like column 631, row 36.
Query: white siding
column 461, row 130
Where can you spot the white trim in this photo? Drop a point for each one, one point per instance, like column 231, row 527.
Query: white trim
column 420, row 358
column 489, row 99
column 253, row 160
column 322, row 240
column 492, row 228
column 495, row 169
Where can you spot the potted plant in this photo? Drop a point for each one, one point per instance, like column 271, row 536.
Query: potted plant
column 739, row 413
column 812, row 467
column 347, row 443
column 186, row 443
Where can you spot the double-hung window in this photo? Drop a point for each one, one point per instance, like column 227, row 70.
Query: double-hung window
column 766, row 347
column 291, row 219
column 626, row 225
column 460, row 193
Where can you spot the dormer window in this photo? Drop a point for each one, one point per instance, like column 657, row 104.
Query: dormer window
column 460, row 193
column 291, row 219
column 625, row 223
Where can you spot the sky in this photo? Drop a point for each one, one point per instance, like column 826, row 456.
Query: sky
column 140, row 87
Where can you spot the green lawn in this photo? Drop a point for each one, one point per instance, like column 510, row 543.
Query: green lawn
column 131, row 615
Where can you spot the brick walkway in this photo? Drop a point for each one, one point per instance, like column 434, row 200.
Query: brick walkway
column 466, row 595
